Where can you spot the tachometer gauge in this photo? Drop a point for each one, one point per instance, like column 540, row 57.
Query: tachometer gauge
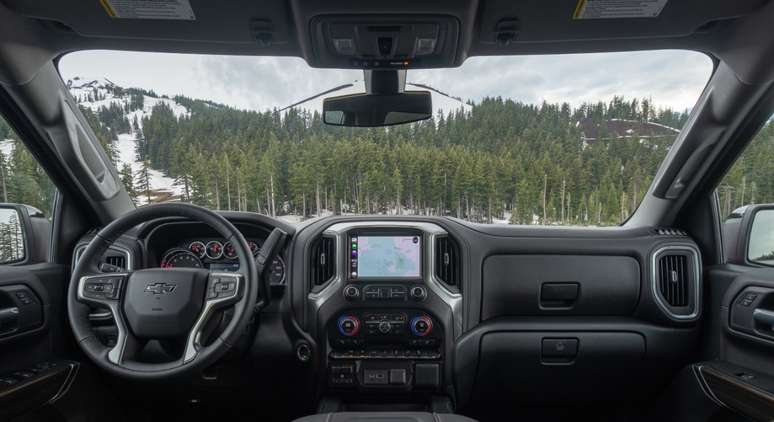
column 197, row 248
column 277, row 274
column 229, row 250
column 180, row 258
column 214, row 249
column 253, row 247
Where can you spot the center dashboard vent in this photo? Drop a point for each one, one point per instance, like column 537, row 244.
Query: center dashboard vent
column 676, row 281
column 322, row 261
column 447, row 261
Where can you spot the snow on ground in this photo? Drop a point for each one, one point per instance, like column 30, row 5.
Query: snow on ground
column 6, row 147
column 162, row 186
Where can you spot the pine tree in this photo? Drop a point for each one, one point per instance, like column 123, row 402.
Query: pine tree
column 142, row 180
column 127, row 178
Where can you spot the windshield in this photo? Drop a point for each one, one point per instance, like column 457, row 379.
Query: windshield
column 554, row 140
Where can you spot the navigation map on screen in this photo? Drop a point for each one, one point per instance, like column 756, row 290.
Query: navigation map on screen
column 387, row 256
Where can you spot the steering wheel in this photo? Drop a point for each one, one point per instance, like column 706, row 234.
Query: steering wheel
column 163, row 304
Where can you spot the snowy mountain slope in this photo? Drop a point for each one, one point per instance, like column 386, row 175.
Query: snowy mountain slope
column 96, row 93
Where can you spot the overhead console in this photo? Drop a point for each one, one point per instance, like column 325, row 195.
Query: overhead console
column 384, row 42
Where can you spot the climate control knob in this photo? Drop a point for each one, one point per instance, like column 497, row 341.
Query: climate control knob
column 421, row 325
column 349, row 325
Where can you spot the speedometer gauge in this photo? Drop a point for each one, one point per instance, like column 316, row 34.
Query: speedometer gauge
column 180, row 258
column 214, row 249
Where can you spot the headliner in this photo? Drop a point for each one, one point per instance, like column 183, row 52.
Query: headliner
column 736, row 32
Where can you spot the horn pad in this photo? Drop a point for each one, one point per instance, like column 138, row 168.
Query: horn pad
column 164, row 303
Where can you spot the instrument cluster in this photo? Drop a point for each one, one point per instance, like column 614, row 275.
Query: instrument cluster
column 217, row 255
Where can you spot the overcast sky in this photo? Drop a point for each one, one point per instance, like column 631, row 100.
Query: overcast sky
column 670, row 78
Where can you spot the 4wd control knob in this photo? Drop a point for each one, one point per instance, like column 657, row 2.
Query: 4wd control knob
column 385, row 327
column 418, row 293
column 351, row 292
column 421, row 325
column 349, row 325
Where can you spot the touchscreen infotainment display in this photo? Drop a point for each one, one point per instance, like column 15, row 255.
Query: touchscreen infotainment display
column 385, row 256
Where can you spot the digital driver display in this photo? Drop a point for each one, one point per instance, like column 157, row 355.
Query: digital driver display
column 385, row 257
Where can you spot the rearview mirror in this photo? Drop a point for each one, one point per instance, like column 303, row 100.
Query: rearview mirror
column 369, row 110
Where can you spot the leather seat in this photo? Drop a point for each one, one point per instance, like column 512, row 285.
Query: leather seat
column 384, row 417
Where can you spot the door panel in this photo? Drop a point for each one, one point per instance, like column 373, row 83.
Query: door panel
column 33, row 368
column 739, row 370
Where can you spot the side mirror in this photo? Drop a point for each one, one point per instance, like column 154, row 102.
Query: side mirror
column 20, row 225
column 760, row 237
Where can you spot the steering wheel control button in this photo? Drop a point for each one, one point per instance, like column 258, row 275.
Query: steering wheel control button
column 351, row 292
column 102, row 288
column 222, row 287
column 421, row 325
column 349, row 325
column 418, row 293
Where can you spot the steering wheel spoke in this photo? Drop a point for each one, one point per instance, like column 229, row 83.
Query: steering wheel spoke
column 107, row 290
column 223, row 289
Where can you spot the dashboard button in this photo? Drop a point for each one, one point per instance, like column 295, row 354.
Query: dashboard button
column 418, row 293
column 351, row 292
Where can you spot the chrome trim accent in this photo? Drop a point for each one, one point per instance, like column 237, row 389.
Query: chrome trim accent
column 432, row 230
column 100, row 316
column 120, row 249
column 210, row 305
column 96, row 316
column 332, row 287
column 696, row 281
column 72, row 372
column 116, row 354
column 207, row 249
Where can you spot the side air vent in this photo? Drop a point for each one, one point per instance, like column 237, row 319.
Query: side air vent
column 114, row 256
column 447, row 261
column 118, row 261
column 670, row 232
column 322, row 262
column 676, row 281
column 673, row 279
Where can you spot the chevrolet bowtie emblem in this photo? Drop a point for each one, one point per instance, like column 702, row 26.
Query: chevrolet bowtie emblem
column 160, row 288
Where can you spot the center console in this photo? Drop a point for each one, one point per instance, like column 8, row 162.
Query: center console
column 387, row 321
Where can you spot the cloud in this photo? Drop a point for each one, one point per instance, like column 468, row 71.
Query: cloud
column 670, row 78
